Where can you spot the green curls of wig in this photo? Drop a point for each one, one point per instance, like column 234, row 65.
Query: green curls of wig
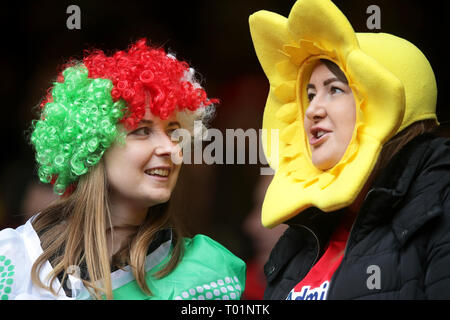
column 75, row 128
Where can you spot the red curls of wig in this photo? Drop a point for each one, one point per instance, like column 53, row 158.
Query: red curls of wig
column 142, row 76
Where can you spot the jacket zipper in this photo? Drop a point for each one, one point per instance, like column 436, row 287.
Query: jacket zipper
column 346, row 245
column 354, row 223
column 318, row 245
column 317, row 252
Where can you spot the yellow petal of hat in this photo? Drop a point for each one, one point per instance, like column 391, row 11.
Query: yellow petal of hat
column 392, row 82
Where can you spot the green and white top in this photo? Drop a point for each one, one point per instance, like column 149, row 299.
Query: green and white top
column 207, row 271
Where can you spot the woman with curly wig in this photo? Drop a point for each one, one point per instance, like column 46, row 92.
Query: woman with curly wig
column 104, row 140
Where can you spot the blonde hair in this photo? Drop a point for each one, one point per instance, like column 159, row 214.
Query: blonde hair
column 73, row 232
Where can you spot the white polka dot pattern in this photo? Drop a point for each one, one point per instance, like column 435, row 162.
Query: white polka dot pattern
column 222, row 289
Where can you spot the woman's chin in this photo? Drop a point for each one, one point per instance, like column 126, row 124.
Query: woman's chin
column 324, row 163
column 159, row 198
column 150, row 199
column 325, row 158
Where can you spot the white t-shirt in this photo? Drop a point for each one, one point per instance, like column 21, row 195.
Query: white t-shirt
column 19, row 249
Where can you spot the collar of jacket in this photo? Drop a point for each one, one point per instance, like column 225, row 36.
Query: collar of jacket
column 392, row 191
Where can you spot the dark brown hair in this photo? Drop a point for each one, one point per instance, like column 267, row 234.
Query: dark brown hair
column 334, row 68
column 397, row 142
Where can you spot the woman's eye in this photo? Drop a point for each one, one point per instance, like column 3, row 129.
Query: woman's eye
column 336, row 90
column 311, row 96
column 143, row 131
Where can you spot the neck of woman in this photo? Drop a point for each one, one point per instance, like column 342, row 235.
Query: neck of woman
column 126, row 218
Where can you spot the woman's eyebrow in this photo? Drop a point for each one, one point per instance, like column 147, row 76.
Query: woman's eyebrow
column 150, row 122
column 174, row 123
column 328, row 81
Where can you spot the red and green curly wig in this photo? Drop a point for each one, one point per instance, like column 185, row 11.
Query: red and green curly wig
column 80, row 115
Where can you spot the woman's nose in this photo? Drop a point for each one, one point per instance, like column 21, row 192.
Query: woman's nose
column 165, row 146
column 316, row 109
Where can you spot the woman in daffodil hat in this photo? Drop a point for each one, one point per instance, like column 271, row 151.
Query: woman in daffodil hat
column 359, row 177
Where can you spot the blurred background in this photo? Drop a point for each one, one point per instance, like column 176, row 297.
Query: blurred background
column 221, row 201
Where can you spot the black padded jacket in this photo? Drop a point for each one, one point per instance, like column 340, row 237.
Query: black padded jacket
column 402, row 229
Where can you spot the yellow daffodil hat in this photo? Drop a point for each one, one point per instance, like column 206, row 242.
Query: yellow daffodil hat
column 392, row 82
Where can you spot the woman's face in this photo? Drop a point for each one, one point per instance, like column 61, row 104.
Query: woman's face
column 330, row 117
column 141, row 172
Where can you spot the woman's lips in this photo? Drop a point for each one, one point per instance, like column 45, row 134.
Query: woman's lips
column 159, row 173
column 313, row 141
column 158, row 178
